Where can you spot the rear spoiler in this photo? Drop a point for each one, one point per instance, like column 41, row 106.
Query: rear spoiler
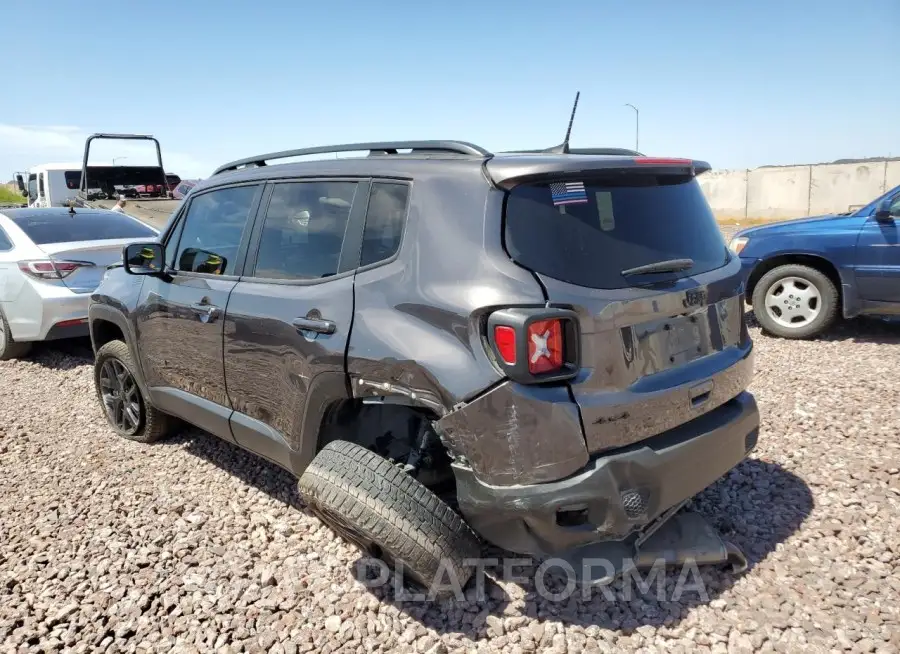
column 623, row 152
column 508, row 172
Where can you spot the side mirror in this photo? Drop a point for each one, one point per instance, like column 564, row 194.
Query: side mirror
column 20, row 183
column 144, row 258
column 883, row 210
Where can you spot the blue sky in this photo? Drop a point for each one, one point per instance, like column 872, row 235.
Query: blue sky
column 737, row 84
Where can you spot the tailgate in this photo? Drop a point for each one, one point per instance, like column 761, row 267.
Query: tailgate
column 657, row 347
column 652, row 361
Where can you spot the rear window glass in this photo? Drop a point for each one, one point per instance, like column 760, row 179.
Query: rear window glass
column 587, row 232
column 65, row 228
column 384, row 222
column 73, row 179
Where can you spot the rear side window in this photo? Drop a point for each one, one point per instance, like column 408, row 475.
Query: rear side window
column 5, row 243
column 587, row 232
column 213, row 228
column 63, row 227
column 385, row 219
column 303, row 233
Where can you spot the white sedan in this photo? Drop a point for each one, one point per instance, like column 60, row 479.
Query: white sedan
column 50, row 261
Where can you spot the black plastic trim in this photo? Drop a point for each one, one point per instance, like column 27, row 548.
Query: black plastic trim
column 194, row 409
column 58, row 332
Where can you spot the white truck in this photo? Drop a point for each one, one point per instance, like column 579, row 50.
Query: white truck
column 51, row 184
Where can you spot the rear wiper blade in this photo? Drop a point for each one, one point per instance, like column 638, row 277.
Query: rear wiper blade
column 671, row 265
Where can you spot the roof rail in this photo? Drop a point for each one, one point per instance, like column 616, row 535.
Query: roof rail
column 385, row 147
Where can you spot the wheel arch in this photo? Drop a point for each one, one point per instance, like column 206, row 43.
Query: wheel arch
column 107, row 324
column 386, row 426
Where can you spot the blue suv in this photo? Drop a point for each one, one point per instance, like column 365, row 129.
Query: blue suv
column 801, row 273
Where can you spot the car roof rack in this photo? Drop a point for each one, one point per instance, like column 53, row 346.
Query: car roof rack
column 376, row 148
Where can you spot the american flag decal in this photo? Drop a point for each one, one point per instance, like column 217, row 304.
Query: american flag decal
column 568, row 193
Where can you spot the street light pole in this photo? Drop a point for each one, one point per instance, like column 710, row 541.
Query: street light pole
column 114, row 159
column 637, row 124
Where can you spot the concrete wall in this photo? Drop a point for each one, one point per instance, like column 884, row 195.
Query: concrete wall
column 778, row 192
column 726, row 192
column 795, row 191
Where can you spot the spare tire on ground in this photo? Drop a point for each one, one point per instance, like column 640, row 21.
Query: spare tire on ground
column 390, row 516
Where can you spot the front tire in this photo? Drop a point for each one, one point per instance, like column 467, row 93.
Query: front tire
column 389, row 515
column 126, row 409
column 9, row 349
column 795, row 301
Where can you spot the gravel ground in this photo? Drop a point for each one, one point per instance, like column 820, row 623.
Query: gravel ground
column 193, row 545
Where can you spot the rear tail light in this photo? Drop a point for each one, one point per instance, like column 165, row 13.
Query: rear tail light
column 48, row 269
column 545, row 346
column 534, row 345
column 505, row 341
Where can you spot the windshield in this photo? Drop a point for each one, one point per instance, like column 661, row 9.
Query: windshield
column 64, row 227
column 588, row 232
column 869, row 209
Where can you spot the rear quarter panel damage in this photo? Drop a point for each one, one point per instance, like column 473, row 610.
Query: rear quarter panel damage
column 517, row 434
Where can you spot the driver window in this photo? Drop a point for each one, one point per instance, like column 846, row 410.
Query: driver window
column 213, row 228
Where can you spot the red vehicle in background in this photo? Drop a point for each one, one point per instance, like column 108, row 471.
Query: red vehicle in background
column 172, row 181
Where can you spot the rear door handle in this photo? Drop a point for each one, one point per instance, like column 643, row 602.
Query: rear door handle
column 314, row 325
column 207, row 312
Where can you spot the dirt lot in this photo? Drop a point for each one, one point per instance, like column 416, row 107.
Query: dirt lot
column 193, row 545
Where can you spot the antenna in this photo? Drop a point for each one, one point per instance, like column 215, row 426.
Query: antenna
column 563, row 148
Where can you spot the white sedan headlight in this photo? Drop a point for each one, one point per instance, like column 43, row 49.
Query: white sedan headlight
column 738, row 244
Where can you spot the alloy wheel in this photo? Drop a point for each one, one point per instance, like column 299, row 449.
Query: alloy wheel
column 121, row 397
column 793, row 302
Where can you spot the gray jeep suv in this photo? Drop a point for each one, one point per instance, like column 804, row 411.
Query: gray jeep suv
column 542, row 349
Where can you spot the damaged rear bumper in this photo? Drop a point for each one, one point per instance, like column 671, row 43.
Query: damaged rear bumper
column 618, row 492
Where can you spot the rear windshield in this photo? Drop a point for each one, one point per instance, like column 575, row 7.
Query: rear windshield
column 65, row 228
column 586, row 232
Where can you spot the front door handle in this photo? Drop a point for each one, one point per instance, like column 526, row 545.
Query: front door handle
column 206, row 312
column 314, row 325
